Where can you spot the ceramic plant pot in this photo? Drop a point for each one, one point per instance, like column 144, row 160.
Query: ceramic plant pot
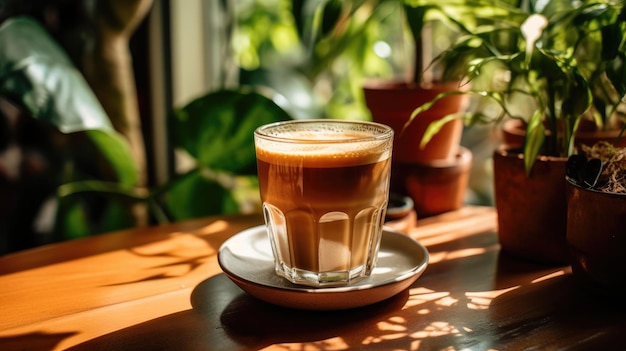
column 596, row 236
column 435, row 187
column 532, row 210
column 392, row 103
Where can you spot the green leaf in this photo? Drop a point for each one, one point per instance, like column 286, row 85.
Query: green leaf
column 73, row 223
column 612, row 38
column 535, row 135
column 115, row 217
column 116, row 150
column 199, row 195
column 218, row 129
column 96, row 186
column 87, row 213
column 616, row 73
column 435, row 126
column 77, row 216
column 415, row 17
column 36, row 74
column 330, row 16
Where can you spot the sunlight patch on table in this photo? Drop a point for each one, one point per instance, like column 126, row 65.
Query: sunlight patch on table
column 179, row 244
column 396, row 324
column 333, row 344
column 213, row 228
column 481, row 300
column 549, row 276
column 436, row 329
column 394, row 327
column 436, row 257
column 447, row 301
column 418, row 296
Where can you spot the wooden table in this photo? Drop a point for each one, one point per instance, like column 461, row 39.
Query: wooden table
column 161, row 289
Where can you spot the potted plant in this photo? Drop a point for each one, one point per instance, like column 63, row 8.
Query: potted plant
column 436, row 174
column 596, row 217
column 550, row 66
column 391, row 101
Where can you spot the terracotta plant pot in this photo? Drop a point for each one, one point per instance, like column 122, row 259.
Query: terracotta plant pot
column 435, row 187
column 532, row 210
column 514, row 132
column 596, row 235
column 392, row 103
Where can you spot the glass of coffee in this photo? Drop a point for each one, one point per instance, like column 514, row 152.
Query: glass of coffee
column 324, row 186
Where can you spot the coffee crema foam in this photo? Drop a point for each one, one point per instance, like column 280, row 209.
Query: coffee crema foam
column 324, row 153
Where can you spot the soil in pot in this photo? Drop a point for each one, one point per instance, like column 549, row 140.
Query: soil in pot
column 532, row 209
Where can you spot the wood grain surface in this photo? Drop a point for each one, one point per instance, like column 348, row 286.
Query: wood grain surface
column 161, row 288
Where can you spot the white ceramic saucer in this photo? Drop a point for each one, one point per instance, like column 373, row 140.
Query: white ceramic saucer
column 246, row 258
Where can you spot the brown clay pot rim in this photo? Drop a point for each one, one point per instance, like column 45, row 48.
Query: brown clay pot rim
column 399, row 206
column 599, row 134
column 399, row 85
column 462, row 160
column 599, row 192
column 515, row 127
column 516, row 151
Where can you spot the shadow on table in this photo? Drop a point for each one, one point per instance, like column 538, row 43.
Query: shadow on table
column 479, row 300
column 35, row 341
column 255, row 324
column 225, row 318
column 486, row 299
column 559, row 311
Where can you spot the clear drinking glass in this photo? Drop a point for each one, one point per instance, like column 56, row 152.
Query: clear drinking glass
column 324, row 186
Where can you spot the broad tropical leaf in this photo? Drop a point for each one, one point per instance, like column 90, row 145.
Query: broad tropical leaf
column 217, row 129
column 36, row 74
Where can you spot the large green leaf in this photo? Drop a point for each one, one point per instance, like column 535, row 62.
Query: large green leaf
column 73, row 223
column 116, row 150
column 36, row 74
column 81, row 212
column 200, row 194
column 217, row 129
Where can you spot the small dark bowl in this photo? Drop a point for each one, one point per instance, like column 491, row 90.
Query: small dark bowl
column 399, row 206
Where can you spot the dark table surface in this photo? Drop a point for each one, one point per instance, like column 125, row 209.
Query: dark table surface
column 161, row 288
